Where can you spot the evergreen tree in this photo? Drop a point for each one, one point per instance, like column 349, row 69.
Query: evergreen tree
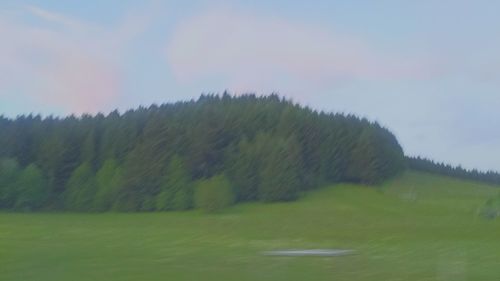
column 243, row 170
column 214, row 194
column 270, row 149
column 9, row 173
column 280, row 171
column 176, row 187
column 108, row 180
column 81, row 189
column 32, row 189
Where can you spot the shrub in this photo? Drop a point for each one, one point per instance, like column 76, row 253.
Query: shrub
column 491, row 208
column 213, row 194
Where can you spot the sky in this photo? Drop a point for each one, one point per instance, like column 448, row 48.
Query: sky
column 427, row 70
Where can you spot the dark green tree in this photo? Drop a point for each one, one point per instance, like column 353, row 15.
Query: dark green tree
column 9, row 173
column 270, row 148
column 109, row 181
column 32, row 189
column 176, row 187
column 214, row 194
column 82, row 187
column 280, row 171
column 243, row 170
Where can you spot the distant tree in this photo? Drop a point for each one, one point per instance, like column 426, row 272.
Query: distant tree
column 280, row 171
column 89, row 151
column 81, row 189
column 363, row 163
column 176, row 187
column 243, row 170
column 58, row 157
column 429, row 166
column 109, row 181
column 9, row 173
column 270, row 149
column 214, row 194
column 32, row 189
column 332, row 158
column 491, row 208
column 144, row 167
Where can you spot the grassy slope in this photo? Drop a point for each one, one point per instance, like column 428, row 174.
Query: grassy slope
column 417, row 227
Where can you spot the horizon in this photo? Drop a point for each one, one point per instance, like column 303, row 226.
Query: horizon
column 426, row 71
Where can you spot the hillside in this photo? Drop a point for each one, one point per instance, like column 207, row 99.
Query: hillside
column 156, row 158
column 434, row 234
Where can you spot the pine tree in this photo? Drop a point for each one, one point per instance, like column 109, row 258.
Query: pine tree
column 243, row 171
column 108, row 180
column 81, row 189
column 176, row 187
column 214, row 194
column 32, row 189
column 9, row 173
column 280, row 170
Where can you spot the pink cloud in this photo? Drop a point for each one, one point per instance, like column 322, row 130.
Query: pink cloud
column 80, row 84
column 70, row 65
column 254, row 52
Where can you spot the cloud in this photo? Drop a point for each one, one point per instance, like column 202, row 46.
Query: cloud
column 63, row 63
column 55, row 17
column 250, row 52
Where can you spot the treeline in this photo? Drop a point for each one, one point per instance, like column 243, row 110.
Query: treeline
column 426, row 165
column 156, row 158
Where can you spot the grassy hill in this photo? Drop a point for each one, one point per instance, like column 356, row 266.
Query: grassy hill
column 415, row 227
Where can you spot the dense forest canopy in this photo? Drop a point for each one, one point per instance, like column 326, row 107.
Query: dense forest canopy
column 430, row 166
column 264, row 148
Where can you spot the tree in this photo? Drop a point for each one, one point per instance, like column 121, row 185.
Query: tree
column 280, row 170
column 9, row 172
column 109, row 181
column 214, row 194
column 144, row 167
column 32, row 189
column 88, row 151
column 176, row 188
column 364, row 163
column 243, row 171
column 270, row 148
column 81, row 189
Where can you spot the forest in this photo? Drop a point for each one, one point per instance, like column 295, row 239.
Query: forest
column 168, row 157
column 430, row 166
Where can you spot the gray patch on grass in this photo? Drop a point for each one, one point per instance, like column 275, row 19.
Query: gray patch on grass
column 309, row 252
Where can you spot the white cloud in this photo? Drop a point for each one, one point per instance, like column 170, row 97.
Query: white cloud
column 65, row 63
column 256, row 53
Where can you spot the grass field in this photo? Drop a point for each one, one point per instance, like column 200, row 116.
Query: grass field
column 416, row 227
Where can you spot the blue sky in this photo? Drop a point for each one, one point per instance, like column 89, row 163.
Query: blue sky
column 428, row 70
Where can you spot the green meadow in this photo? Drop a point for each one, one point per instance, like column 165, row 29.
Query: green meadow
column 415, row 227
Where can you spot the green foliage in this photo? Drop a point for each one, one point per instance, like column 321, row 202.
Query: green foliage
column 214, row 194
column 426, row 165
column 491, row 209
column 176, row 187
column 89, row 151
column 81, row 189
column 373, row 158
column 145, row 165
column 32, row 189
column 109, row 181
column 243, row 171
column 279, row 174
column 270, row 149
column 9, row 172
